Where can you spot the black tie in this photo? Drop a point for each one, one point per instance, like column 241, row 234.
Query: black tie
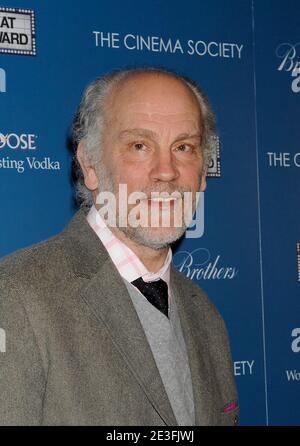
column 155, row 292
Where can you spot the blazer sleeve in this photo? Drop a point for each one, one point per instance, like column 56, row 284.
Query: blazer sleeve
column 22, row 377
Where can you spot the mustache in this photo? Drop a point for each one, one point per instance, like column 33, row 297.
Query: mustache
column 163, row 190
column 111, row 184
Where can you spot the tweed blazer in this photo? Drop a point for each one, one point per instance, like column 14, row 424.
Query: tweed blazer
column 73, row 351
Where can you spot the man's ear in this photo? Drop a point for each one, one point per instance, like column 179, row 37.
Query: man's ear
column 89, row 172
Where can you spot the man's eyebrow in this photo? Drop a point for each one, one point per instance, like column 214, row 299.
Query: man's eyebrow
column 182, row 136
column 150, row 134
column 138, row 132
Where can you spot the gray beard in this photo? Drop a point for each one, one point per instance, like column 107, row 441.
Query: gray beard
column 140, row 235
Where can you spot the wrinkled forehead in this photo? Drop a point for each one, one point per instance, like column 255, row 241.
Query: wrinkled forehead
column 162, row 108
column 155, row 97
column 158, row 122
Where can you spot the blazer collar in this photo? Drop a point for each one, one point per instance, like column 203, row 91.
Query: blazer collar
column 85, row 252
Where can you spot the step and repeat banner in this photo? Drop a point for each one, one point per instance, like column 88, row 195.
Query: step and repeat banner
column 246, row 56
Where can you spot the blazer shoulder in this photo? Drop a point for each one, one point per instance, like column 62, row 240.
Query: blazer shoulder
column 27, row 265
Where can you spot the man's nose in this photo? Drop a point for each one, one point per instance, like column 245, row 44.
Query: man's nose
column 164, row 167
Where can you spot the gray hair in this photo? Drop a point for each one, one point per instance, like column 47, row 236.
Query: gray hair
column 88, row 124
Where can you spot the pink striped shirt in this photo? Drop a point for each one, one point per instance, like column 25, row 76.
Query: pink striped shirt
column 125, row 260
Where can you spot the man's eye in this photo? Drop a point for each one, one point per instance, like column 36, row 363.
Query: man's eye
column 184, row 148
column 139, row 146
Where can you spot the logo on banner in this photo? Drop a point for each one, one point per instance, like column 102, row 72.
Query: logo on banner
column 19, row 144
column 243, row 368
column 17, row 31
column 283, row 159
column 199, row 264
column 214, row 167
column 2, row 80
column 14, row 141
column 289, row 55
column 298, row 260
column 159, row 44
column 293, row 375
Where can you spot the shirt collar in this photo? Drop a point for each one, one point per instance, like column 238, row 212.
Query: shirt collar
column 125, row 260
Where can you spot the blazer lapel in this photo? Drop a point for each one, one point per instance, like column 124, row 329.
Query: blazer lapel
column 192, row 324
column 107, row 296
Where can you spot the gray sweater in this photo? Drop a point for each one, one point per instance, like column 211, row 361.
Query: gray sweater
column 168, row 347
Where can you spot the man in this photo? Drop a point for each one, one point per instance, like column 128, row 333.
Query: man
column 100, row 329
